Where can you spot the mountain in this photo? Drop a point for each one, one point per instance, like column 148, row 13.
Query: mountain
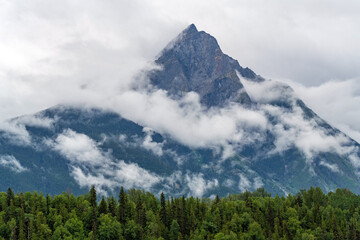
column 275, row 141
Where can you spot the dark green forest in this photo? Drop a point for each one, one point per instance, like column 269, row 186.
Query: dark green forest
column 135, row 214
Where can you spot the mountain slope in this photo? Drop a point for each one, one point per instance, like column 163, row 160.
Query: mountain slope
column 275, row 142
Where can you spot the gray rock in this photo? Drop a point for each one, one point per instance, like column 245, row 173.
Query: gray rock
column 195, row 62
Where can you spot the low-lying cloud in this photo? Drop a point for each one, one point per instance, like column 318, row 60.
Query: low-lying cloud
column 14, row 130
column 149, row 144
column 91, row 166
column 198, row 185
column 336, row 101
column 12, row 163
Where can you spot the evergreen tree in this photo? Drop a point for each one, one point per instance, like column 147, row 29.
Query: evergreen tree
column 174, row 230
column 122, row 202
column 103, row 206
column 140, row 212
column 112, row 206
column 48, row 202
column 163, row 216
column 22, row 235
column 93, row 203
column 9, row 196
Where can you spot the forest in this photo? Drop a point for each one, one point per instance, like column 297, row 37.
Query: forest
column 135, row 214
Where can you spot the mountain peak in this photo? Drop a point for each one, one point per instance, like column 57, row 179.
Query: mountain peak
column 195, row 62
column 191, row 29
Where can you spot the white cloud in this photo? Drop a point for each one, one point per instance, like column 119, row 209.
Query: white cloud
column 293, row 129
column 12, row 163
column 355, row 159
column 332, row 167
column 257, row 183
column 244, row 183
column 91, row 166
column 290, row 125
column 35, row 121
column 15, row 133
column 267, row 91
column 15, row 129
column 186, row 121
column 229, row 183
column 79, row 148
column 149, row 144
column 198, row 185
column 336, row 101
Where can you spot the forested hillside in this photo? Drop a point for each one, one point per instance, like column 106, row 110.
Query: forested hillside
column 136, row 214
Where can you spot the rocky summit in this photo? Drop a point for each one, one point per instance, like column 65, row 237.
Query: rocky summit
column 271, row 140
column 195, row 62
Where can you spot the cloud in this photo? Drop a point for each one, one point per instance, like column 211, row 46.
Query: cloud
column 290, row 125
column 15, row 129
column 332, row 167
column 198, row 185
column 79, row 148
column 12, row 163
column 148, row 143
column 293, row 129
column 246, row 184
column 268, row 91
column 336, row 101
column 91, row 166
column 229, row 183
column 186, row 121
column 34, row 121
column 15, row 133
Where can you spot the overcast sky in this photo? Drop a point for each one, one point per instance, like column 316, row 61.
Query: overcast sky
column 84, row 51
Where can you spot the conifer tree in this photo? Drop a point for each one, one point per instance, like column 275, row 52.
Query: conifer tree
column 93, row 211
column 112, row 206
column 174, row 230
column 140, row 212
column 22, row 235
column 9, row 196
column 48, row 202
column 163, row 216
column 103, row 206
column 122, row 202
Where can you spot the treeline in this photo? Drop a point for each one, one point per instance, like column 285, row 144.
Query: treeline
column 137, row 214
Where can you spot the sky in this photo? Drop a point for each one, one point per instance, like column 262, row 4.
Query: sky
column 55, row 52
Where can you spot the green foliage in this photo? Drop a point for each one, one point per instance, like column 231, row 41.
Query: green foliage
column 109, row 228
column 174, row 230
column 137, row 215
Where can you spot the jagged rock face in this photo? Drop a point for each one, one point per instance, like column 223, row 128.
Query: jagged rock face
column 195, row 62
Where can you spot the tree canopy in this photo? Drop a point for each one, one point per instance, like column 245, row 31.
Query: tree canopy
column 136, row 214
